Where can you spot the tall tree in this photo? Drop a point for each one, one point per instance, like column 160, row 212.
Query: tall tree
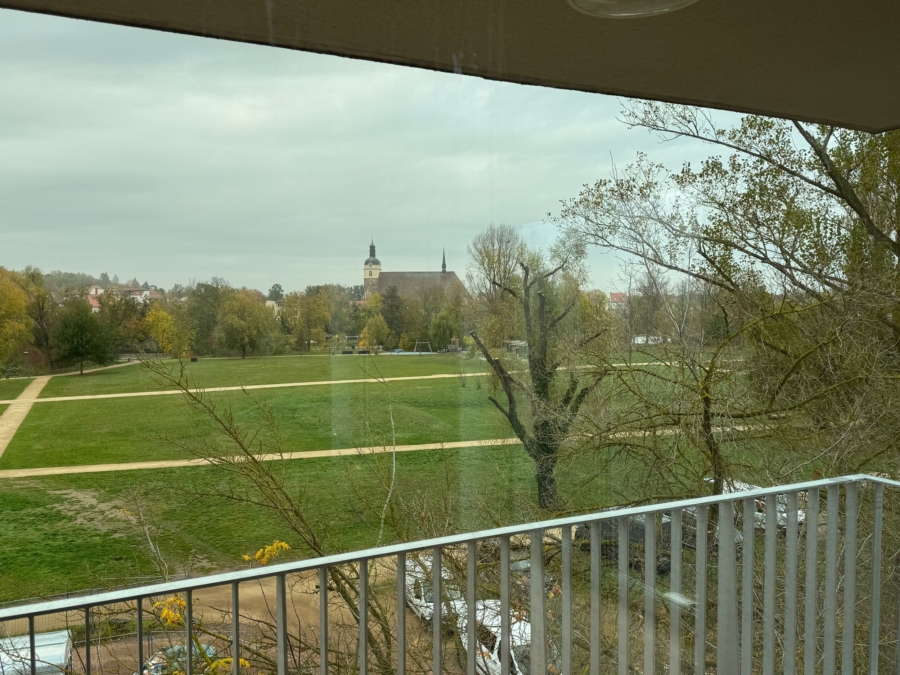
column 392, row 310
column 305, row 315
column 81, row 336
column 122, row 318
column 15, row 323
column 546, row 293
column 205, row 303
column 442, row 331
column 245, row 322
column 375, row 333
column 276, row 293
column 797, row 226
column 43, row 310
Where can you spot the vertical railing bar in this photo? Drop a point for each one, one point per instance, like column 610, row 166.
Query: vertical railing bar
column 769, row 586
column 727, row 657
column 675, row 589
column 747, row 586
column 437, row 608
column 566, row 600
column 281, row 630
column 875, row 617
column 235, row 628
column 700, row 591
column 623, row 613
column 471, row 590
column 831, row 585
column 32, row 657
column 538, row 605
column 189, row 629
column 323, row 621
column 849, row 618
column 139, row 611
column 596, row 627
column 363, row 611
column 401, row 613
column 504, row 607
column 87, row 641
column 810, row 593
column 790, row 587
column 649, row 593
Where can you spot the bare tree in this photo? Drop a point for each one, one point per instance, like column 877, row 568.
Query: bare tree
column 545, row 297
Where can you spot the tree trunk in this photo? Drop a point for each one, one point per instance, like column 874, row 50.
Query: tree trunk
column 81, row 367
column 243, row 352
column 545, row 475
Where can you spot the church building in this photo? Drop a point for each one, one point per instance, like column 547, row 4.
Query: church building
column 409, row 284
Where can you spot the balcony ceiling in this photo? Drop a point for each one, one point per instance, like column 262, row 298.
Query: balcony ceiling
column 830, row 62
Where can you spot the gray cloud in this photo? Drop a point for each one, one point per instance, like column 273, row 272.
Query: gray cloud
column 174, row 158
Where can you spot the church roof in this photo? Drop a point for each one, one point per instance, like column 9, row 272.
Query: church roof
column 413, row 284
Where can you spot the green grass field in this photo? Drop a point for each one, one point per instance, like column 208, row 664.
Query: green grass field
column 9, row 389
column 264, row 370
column 309, row 418
column 64, row 533
column 68, row 533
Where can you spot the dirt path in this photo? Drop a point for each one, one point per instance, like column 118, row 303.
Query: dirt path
column 280, row 385
column 310, row 454
column 97, row 370
column 249, row 387
column 18, row 409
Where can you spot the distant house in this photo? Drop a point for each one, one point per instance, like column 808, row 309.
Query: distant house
column 136, row 293
column 275, row 306
column 93, row 299
column 618, row 301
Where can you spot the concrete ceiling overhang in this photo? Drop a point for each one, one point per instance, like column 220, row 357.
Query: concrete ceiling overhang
column 821, row 61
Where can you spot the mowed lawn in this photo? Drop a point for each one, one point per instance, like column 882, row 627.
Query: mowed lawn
column 308, row 418
column 263, row 370
column 70, row 533
column 9, row 389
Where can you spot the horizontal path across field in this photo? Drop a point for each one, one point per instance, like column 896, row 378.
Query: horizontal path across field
column 279, row 385
column 309, row 454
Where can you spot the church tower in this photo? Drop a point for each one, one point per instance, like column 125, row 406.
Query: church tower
column 371, row 270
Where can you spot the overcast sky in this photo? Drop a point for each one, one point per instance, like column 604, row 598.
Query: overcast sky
column 172, row 158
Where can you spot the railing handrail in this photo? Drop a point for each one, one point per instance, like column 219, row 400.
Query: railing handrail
column 274, row 571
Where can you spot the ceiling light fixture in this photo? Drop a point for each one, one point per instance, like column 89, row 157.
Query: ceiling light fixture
column 628, row 9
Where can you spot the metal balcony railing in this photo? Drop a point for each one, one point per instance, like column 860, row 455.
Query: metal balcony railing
column 763, row 581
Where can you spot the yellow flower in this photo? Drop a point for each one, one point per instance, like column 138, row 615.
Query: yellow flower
column 171, row 611
column 267, row 553
column 223, row 666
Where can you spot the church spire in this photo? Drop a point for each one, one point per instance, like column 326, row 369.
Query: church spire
column 372, row 248
column 443, row 261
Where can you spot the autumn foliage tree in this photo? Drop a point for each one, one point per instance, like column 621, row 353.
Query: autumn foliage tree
column 245, row 322
column 15, row 324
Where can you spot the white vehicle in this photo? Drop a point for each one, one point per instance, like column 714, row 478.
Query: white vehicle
column 759, row 516
column 488, row 658
column 52, row 653
column 419, row 587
